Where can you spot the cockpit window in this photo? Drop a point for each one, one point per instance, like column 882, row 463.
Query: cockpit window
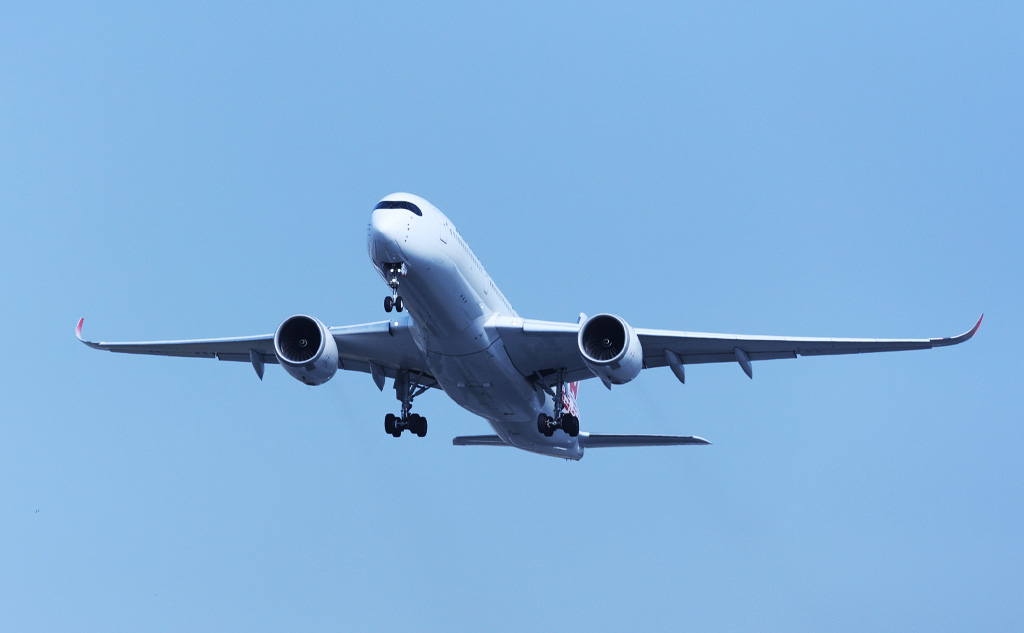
column 399, row 204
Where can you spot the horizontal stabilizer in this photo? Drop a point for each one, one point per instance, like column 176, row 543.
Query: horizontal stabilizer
column 595, row 440
column 478, row 440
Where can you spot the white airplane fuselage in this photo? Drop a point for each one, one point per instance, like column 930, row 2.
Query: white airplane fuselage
column 454, row 306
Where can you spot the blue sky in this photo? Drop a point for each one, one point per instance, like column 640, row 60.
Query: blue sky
column 192, row 170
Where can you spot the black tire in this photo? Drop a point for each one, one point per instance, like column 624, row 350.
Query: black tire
column 571, row 425
column 542, row 425
column 399, row 303
column 389, row 424
column 388, row 303
column 421, row 430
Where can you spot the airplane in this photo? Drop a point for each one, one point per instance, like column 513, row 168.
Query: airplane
column 450, row 328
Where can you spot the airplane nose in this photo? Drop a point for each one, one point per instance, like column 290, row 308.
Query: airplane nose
column 385, row 223
column 386, row 232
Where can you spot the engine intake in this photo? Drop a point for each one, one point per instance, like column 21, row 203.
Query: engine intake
column 610, row 348
column 306, row 349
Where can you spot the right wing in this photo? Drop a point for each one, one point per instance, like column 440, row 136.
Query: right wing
column 384, row 345
column 543, row 347
column 691, row 348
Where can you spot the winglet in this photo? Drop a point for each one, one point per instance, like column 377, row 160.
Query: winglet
column 976, row 326
column 78, row 333
column 954, row 340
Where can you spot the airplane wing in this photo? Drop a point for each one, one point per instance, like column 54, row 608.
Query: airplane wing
column 383, row 345
column 542, row 347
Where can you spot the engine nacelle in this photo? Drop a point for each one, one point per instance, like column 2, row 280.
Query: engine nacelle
column 611, row 348
column 306, row 349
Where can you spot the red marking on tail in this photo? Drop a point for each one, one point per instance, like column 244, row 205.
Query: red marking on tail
column 570, row 391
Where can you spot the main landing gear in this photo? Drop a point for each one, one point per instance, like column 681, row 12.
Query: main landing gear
column 406, row 388
column 564, row 420
column 394, row 272
column 393, row 425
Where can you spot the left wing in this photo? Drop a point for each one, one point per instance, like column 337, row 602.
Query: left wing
column 384, row 345
column 543, row 347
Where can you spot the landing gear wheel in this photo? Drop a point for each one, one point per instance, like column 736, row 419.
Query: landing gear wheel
column 571, row 424
column 388, row 303
column 399, row 303
column 391, row 426
column 418, row 424
column 544, row 425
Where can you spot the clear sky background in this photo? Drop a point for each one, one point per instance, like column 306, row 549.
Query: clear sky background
column 201, row 170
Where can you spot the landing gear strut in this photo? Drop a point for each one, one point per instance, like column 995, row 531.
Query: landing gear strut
column 395, row 271
column 564, row 420
column 407, row 387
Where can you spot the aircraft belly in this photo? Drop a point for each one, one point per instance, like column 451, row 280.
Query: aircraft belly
column 487, row 384
column 524, row 435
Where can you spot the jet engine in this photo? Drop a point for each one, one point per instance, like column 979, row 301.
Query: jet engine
column 306, row 349
column 611, row 348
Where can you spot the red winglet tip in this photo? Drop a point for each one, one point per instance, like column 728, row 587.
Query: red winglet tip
column 78, row 330
column 978, row 324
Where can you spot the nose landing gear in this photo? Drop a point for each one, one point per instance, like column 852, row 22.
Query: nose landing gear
column 395, row 271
